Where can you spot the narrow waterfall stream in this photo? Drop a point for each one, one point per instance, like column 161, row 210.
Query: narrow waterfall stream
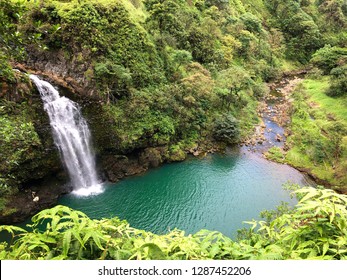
column 72, row 137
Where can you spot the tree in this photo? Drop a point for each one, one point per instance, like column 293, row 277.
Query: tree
column 230, row 47
column 300, row 31
column 113, row 79
column 204, row 41
column 231, row 82
column 251, row 22
column 163, row 13
column 334, row 12
column 221, row 4
column 181, row 58
column 10, row 39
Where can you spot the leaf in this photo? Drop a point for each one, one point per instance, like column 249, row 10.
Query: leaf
column 320, row 230
column 55, row 221
column 41, row 245
column 96, row 237
column 78, row 237
column 154, row 252
column 214, row 250
column 47, row 239
column 325, row 248
column 12, row 229
column 66, row 242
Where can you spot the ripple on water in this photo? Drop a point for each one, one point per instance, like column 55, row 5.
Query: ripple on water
column 216, row 193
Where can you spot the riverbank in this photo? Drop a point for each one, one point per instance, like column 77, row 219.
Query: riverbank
column 318, row 140
column 274, row 113
column 295, row 111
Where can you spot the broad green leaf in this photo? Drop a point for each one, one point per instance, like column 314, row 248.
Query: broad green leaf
column 325, row 248
column 66, row 242
column 308, row 196
column 154, row 252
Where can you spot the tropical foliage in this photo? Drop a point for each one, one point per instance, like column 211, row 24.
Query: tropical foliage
column 176, row 74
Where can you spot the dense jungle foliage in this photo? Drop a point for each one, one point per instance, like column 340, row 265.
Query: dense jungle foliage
column 180, row 74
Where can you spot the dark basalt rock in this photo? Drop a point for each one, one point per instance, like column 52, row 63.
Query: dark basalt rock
column 31, row 200
column 117, row 167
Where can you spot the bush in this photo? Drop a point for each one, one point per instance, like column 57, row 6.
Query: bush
column 251, row 22
column 259, row 90
column 338, row 88
column 226, row 129
column 315, row 73
column 338, row 82
column 328, row 57
column 275, row 154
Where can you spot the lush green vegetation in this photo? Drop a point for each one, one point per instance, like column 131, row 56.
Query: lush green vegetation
column 319, row 132
column 11, row 40
column 178, row 74
column 172, row 71
column 18, row 137
column 314, row 229
column 319, row 120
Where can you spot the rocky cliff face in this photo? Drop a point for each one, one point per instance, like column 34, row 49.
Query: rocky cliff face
column 25, row 168
column 74, row 72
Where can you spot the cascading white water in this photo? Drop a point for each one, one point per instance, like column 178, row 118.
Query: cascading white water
column 72, row 137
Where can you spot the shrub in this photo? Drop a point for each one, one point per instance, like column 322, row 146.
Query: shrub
column 338, row 82
column 275, row 154
column 328, row 57
column 226, row 129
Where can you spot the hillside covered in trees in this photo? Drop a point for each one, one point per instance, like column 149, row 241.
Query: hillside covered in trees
column 160, row 79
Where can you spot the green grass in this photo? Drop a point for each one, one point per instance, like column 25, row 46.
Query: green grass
column 315, row 90
column 316, row 144
column 275, row 154
column 324, row 171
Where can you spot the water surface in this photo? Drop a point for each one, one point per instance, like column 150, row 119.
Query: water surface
column 215, row 193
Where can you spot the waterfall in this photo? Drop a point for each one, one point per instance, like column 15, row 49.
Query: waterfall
column 72, row 137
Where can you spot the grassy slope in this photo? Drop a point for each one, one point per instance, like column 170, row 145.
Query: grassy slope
column 310, row 144
column 336, row 106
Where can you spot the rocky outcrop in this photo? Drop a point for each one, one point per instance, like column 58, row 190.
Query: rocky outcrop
column 116, row 167
column 152, row 157
column 72, row 72
column 39, row 161
column 31, row 200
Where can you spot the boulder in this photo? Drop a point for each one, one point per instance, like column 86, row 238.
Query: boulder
column 279, row 138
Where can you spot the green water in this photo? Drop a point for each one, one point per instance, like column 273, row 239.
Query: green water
column 215, row 193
